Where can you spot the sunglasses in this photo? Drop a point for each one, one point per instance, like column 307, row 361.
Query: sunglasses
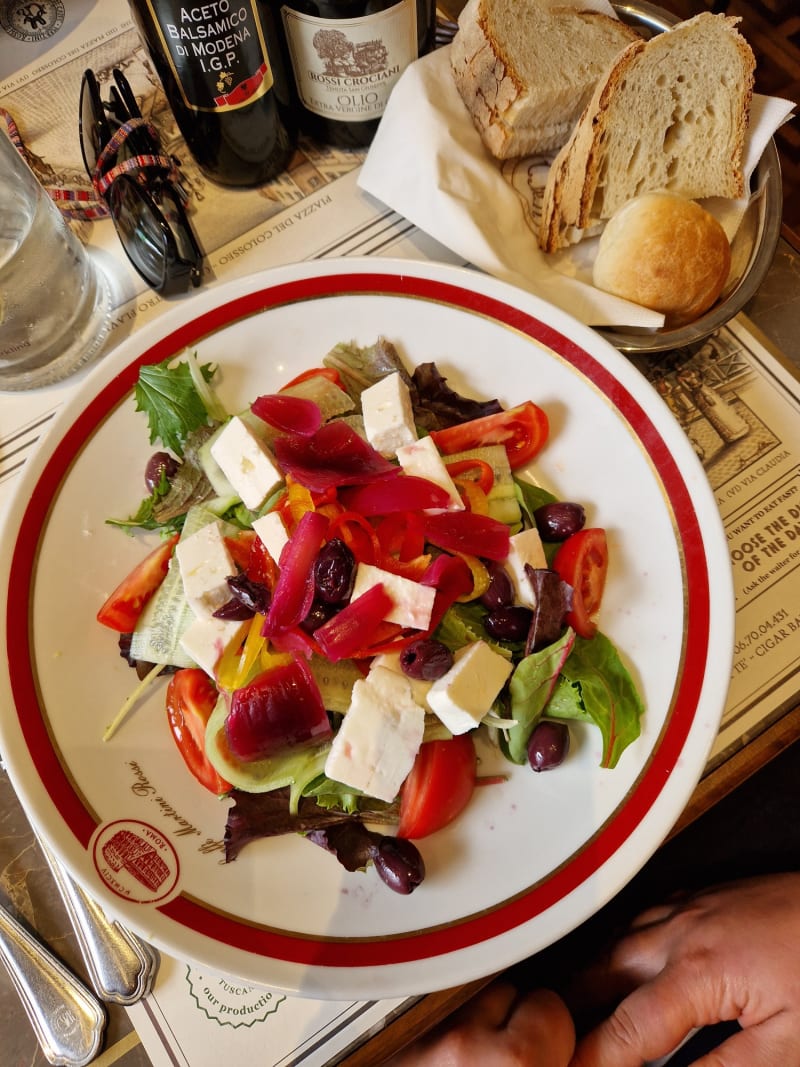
column 138, row 182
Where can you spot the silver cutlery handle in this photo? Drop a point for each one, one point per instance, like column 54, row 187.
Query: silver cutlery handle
column 120, row 966
column 67, row 1020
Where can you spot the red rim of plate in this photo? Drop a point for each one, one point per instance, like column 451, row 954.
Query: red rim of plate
column 330, row 951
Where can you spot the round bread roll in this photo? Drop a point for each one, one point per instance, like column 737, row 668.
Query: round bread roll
column 665, row 253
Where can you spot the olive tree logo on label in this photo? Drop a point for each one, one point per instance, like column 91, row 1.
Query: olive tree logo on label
column 346, row 71
column 343, row 58
column 136, row 861
column 31, row 22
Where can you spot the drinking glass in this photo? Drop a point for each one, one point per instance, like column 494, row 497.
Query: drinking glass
column 54, row 300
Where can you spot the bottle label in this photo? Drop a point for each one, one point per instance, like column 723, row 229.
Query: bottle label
column 217, row 51
column 345, row 68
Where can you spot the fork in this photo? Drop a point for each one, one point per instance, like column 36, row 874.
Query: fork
column 67, row 1019
column 120, row 965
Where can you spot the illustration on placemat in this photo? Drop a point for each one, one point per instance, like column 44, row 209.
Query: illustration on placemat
column 56, row 159
column 704, row 388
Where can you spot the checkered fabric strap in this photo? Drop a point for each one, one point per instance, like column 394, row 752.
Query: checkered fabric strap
column 102, row 179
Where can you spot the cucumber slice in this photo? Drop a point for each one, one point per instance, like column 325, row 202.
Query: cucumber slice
column 335, row 682
column 502, row 498
column 167, row 614
column 212, row 470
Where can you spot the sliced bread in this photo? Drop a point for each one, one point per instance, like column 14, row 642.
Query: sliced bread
column 526, row 68
column 671, row 114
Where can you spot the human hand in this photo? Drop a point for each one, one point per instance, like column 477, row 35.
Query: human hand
column 499, row 1028
column 724, row 954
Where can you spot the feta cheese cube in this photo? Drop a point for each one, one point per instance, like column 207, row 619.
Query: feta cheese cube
column 204, row 641
column 247, row 463
column 466, row 693
column 272, row 533
column 205, row 563
column 388, row 417
column 525, row 547
column 379, row 738
column 422, row 459
column 412, row 602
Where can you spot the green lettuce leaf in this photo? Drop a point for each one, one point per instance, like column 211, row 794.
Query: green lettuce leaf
column 596, row 684
column 166, row 392
column 462, row 624
column 530, row 688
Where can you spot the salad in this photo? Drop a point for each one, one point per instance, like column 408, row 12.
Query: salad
column 355, row 581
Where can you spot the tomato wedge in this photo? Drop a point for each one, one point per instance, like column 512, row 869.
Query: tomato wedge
column 523, row 431
column 122, row 609
column 439, row 786
column 317, row 372
column 582, row 562
column 191, row 697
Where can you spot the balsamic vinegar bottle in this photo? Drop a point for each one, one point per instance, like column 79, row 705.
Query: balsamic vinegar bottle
column 220, row 66
column 345, row 56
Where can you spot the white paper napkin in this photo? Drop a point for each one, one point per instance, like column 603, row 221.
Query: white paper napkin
column 428, row 163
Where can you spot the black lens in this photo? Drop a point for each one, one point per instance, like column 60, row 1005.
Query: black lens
column 143, row 232
column 187, row 251
column 156, row 235
column 95, row 132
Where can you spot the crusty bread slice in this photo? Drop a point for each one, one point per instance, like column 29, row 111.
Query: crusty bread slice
column 671, row 114
column 526, row 68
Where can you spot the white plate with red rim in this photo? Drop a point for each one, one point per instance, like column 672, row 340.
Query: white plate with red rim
column 530, row 859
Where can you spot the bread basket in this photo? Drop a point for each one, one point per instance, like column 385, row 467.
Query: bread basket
column 752, row 249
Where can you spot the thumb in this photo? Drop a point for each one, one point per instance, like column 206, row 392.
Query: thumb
column 654, row 1019
column 772, row 1041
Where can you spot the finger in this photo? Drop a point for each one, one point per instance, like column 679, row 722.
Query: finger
column 540, row 1027
column 492, row 1006
column 631, row 962
column 658, row 913
column 538, row 1031
column 654, row 1019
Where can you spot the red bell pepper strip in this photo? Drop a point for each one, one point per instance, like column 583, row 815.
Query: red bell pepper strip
column 353, row 627
column 358, row 534
column 292, row 414
column 466, row 531
column 484, row 475
column 239, row 547
column 334, row 455
column 452, row 578
column 294, row 590
column 412, row 568
column 401, row 535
